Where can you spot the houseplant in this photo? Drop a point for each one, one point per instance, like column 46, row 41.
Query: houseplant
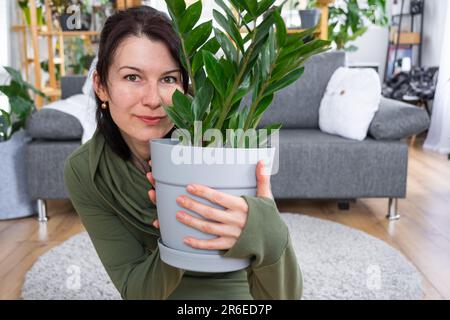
column 211, row 123
column 23, row 4
column 309, row 14
column 14, row 201
column 349, row 19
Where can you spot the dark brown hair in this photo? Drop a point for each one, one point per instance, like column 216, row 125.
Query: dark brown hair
column 138, row 21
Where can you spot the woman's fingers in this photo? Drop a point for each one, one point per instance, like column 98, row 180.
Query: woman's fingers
column 263, row 188
column 235, row 218
column 150, row 178
column 220, row 243
column 219, row 229
column 156, row 223
column 152, row 196
column 221, row 198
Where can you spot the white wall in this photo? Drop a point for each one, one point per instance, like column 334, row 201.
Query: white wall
column 4, row 33
column 435, row 11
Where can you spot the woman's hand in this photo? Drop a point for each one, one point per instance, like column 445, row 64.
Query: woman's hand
column 228, row 223
column 152, row 193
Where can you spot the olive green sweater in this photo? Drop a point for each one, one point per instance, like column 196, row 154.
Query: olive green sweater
column 110, row 196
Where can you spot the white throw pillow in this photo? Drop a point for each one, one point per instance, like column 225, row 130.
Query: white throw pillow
column 88, row 88
column 350, row 102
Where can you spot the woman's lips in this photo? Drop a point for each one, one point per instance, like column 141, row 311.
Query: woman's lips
column 151, row 120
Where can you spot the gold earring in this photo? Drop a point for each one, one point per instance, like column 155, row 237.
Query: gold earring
column 104, row 106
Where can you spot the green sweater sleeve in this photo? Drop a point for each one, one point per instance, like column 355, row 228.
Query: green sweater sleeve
column 135, row 272
column 274, row 272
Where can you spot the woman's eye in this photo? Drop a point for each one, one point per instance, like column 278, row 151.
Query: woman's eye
column 170, row 79
column 132, row 77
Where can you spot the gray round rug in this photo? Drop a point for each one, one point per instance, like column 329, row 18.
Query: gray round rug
column 337, row 262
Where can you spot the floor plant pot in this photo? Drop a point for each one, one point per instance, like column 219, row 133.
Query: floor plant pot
column 309, row 18
column 174, row 166
column 14, row 200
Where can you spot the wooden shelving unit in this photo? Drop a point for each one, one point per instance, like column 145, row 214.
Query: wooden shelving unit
column 52, row 90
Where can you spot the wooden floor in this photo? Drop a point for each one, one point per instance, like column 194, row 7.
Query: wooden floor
column 422, row 233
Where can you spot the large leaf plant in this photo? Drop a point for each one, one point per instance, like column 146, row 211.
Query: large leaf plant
column 264, row 61
column 350, row 19
column 20, row 102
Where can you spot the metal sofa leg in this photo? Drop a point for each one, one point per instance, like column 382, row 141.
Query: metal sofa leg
column 42, row 210
column 392, row 210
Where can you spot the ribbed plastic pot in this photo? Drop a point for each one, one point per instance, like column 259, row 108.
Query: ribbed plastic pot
column 309, row 18
column 174, row 166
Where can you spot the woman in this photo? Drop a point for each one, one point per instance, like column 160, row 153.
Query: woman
column 108, row 179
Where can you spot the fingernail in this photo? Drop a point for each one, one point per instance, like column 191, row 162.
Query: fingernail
column 190, row 188
column 180, row 200
column 180, row 214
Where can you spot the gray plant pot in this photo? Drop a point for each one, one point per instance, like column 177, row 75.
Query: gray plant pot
column 14, row 200
column 309, row 18
column 172, row 177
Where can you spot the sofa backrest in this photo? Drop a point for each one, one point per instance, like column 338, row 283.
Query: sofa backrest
column 71, row 85
column 297, row 106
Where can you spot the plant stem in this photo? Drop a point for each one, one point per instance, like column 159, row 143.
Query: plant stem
column 230, row 96
column 260, row 94
column 188, row 64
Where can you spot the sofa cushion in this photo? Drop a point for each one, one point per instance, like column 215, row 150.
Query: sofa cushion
column 297, row 106
column 53, row 124
column 314, row 165
column 398, row 120
column 350, row 101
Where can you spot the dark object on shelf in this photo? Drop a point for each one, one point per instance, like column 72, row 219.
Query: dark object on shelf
column 416, row 87
column 416, row 6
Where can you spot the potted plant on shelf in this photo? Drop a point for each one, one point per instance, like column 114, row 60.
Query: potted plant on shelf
column 349, row 19
column 309, row 14
column 14, row 201
column 23, row 4
column 214, row 129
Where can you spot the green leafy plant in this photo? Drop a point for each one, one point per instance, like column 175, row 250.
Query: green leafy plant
column 262, row 62
column 79, row 58
column 24, row 5
column 21, row 104
column 348, row 20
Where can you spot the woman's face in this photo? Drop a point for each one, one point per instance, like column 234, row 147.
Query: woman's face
column 142, row 76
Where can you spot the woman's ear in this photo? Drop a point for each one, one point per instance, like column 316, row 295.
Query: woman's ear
column 98, row 88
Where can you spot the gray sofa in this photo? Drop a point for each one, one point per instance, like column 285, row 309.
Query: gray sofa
column 312, row 164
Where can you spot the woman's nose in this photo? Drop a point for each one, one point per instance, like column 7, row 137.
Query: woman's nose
column 151, row 97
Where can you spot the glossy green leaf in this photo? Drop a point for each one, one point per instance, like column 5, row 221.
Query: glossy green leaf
column 197, row 37
column 229, row 28
column 214, row 71
column 190, row 17
column 226, row 45
column 281, row 29
column 290, row 78
column 212, row 45
column 176, row 7
column 183, row 105
column 202, row 100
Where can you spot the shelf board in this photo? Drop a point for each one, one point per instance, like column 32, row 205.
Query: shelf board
column 51, row 92
column 406, row 38
column 69, row 33
column 20, row 27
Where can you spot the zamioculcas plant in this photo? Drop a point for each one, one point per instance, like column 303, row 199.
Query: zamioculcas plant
column 264, row 61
